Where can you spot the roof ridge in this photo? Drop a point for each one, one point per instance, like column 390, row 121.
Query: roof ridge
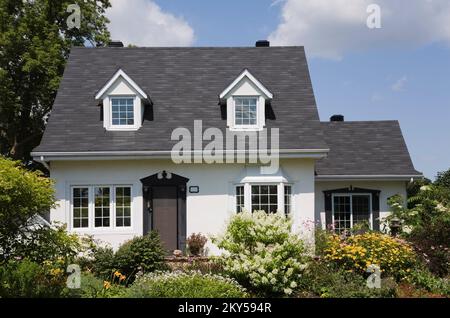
column 190, row 47
column 361, row 121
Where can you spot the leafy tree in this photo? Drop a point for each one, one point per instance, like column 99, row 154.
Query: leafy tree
column 35, row 41
column 23, row 194
column 427, row 225
column 443, row 179
column 413, row 188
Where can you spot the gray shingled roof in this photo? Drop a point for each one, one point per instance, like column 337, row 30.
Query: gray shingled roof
column 184, row 84
column 365, row 148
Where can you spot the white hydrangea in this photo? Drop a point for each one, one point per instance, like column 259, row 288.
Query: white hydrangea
column 262, row 251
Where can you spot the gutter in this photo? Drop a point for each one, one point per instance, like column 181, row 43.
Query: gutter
column 391, row 177
column 165, row 154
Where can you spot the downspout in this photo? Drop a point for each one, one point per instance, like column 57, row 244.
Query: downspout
column 45, row 164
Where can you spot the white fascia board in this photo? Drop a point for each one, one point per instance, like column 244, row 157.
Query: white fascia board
column 386, row 177
column 118, row 74
column 253, row 79
column 163, row 154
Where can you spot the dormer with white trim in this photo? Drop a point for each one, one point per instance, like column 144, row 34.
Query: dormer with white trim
column 123, row 103
column 245, row 100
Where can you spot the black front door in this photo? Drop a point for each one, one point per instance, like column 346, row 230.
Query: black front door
column 165, row 215
column 165, row 208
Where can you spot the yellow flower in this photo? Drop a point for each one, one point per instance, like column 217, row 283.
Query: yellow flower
column 117, row 274
column 106, row 284
column 122, row 278
column 55, row 271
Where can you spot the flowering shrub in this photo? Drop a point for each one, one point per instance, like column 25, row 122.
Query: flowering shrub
column 196, row 243
column 427, row 225
column 184, row 285
column 357, row 252
column 262, row 253
column 25, row 278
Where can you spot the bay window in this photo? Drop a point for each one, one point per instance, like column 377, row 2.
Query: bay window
column 264, row 197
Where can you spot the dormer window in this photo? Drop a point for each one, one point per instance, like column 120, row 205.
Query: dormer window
column 123, row 103
column 245, row 112
column 245, row 98
column 122, row 111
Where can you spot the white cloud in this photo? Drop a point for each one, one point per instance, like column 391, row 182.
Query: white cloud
column 331, row 28
column 399, row 85
column 144, row 23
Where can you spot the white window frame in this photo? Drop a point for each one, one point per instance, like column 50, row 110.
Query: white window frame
column 351, row 206
column 115, row 207
column 291, row 202
column 91, row 208
column 72, row 208
column 135, row 113
column 248, row 195
column 258, row 110
column 93, row 205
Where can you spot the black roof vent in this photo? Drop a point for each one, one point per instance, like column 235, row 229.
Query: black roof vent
column 262, row 43
column 337, row 118
column 115, row 44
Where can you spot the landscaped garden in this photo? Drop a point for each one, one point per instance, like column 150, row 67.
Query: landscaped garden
column 261, row 258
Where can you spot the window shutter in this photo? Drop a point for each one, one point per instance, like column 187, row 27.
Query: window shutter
column 376, row 210
column 328, row 210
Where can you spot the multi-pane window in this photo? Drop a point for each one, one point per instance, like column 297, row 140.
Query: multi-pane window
column 122, row 111
column 240, row 199
column 245, row 111
column 265, row 197
column 101, row 206
column 287, row 199
column 80, row 207
column 349, row 210
column 123, row 206
column 361, row 209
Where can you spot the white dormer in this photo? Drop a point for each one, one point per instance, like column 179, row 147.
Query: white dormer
column 245, row 99
column 123, row 103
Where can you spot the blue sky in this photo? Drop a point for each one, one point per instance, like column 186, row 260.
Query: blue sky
column 402, row 72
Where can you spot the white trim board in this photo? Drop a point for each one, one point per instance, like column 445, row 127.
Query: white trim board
column 246, row 73
column 113, row 79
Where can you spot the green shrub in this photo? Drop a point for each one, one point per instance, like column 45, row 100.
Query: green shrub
column 184, row 285
column 102, row 262
column 329, row 281
column 423, row 278
column 23, row 194
column 90, row 287
column 427, row 225
column 50, row 243
column 261, row 252
column 141, row 254
column 29, row 279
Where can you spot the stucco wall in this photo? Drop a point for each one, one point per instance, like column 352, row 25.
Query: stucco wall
column 387, row 188
column 207, row 211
